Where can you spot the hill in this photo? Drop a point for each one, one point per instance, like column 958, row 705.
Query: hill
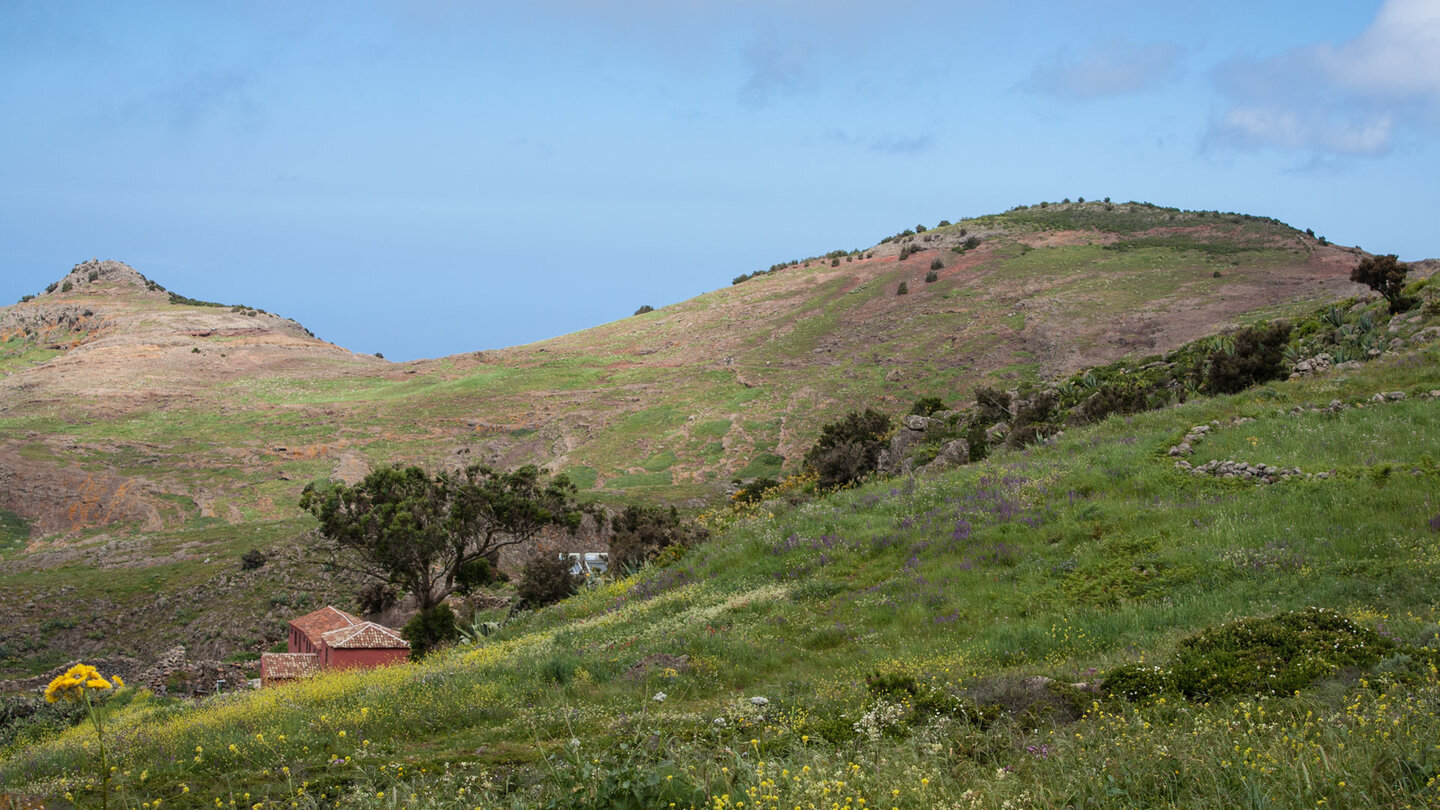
column 930, row 642
column 147, row 439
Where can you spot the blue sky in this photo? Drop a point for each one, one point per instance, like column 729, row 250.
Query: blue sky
column 425, row 178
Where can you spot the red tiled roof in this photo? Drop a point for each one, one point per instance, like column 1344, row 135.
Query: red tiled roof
column 314, row 625
column 279, row 666
column 365, row 636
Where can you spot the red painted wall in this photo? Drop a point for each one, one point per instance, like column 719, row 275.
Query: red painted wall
column 362, row 659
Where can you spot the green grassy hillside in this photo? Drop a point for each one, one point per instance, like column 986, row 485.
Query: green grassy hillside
column 148, row 440
column 879, row 647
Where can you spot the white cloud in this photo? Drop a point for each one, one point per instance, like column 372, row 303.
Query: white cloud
column 1259, row 125
column 1397, row 56
column 1355, row 98
column 1115, row 68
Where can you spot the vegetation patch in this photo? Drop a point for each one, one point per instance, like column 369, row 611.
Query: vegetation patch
column 645, row 479
column 1276, row 655
column 14, row 531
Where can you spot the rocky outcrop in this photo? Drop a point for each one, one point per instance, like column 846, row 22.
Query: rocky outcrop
column 174, row 674
column 955, row 453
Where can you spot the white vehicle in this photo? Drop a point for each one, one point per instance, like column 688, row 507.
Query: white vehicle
column 588, row 564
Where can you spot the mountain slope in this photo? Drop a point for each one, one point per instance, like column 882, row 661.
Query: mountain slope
column 147, row 441
column 179, row 403
column 924, row 643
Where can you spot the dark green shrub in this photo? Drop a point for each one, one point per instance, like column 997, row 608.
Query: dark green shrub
column 641, row 532
column 849, row 449
column 1136, row 681
column 753, row 491
column 1254, row 355
column 67, row 286
column 26, row 718
column 374, row 597
column 932, row 276
column 901, row 684
column 972, row 243
column 644, row 308
column 94, row 275
column 925, row 406
column 476, row 574
column 25, row 298
column 1385, row 275
column 1275, row 655
column 545, row 580
column 1121, row 396
column 993, row 406
column 975, row 437
column 431, row 629
column 903, row 289
column 52, row 286
column 195, row 350
column 253, row 559
column 936, row 264
column 1033, row 420
column 834, row 262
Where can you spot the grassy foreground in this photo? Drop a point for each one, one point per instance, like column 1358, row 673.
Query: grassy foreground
column 871, row 648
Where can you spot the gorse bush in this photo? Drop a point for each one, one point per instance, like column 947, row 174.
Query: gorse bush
column 993, row 406
column 1252, row 356
column 849, row 449
column 545, row 580
column 926, row 406
column 641, row 532
column 753, row 491
column 430, row 630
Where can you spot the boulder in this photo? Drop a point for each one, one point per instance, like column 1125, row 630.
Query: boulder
column 917, row 422
column 953, row 454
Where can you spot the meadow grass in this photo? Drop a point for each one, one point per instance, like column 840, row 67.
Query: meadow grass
column 1062, row 561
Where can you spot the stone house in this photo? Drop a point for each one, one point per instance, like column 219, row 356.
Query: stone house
column 330, row 638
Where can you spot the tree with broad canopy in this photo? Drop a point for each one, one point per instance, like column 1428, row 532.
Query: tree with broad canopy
column 418, row 531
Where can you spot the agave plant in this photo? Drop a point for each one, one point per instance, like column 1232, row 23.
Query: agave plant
column 1334, row 316
column 476, row 629
column 1222, row 343
column 1365, row 324
column 1292, row 355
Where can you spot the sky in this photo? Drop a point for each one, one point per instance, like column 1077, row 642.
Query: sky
column 433, row 177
